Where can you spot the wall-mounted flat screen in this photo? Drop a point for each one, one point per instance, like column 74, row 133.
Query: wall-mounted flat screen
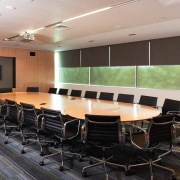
column 7, row 72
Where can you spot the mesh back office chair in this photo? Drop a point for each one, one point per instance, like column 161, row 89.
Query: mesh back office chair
column 3, row 113
column 5, row 90
column 148, row 100
column 103, row 132
column 170, row 105
column 128, row 98
column 52, row 90
column 11, row 119
column 90, row 94
column 54, row 123
column 63, row 91
column 76, row 93
column 30, row 126
column 32, row 89
column 106, row 96
column 160, row 129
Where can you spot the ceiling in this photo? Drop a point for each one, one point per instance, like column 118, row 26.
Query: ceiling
column 124, row 21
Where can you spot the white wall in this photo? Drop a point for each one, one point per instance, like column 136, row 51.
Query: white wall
column 161, row 94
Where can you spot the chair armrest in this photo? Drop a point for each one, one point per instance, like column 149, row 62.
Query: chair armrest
column 83, row 132
column 39, row 123
column 174, row 112
column 72, row 124
column 143, row 133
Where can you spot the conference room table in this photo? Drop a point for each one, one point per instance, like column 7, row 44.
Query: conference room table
column 78, row 106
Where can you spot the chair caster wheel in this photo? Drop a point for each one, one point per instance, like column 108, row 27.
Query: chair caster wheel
column 6, row 134
column 41, row 163
column 90, row 162
column 23, row 151
column 173, row 177
column 84, row 174
column 80, row 160
column 23, row 143
column 61, row 168
column 5, row 142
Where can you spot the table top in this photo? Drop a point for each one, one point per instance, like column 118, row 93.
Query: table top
column 78, row 107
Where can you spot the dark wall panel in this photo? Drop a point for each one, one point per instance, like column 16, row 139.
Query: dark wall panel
column 96, row 56
column 129, row 54
column 7, row 72
column 70, row 58
column 165, row 51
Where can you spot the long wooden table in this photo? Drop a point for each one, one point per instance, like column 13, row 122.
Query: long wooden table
column 78, row 107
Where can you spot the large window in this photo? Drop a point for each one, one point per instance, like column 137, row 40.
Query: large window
column 74, row 75
column 113, row 76
column 157, row 77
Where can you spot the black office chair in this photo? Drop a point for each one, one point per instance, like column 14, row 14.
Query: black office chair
column 52, row 90
column 170, row 105
column 128, row 98
column 61, row 129
column 11, row 119
column 32, row 89
column 76, row 93
column 5, row 90
column 148, row 100
column 63, row 91
column 104, row 132
column 106, row 96
column 90, row 94
column 30, row 126
column 3, row 113
column 160, row 129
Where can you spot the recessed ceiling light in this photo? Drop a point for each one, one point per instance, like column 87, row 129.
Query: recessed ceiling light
column 10, row 7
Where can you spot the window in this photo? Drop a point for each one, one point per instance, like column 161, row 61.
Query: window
column 113, row 76
column 157, row 77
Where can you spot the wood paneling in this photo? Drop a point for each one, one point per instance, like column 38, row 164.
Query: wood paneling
column 32, row 70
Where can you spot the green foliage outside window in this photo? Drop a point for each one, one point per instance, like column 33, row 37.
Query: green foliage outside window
column 113, row 76
column 74, row 75
column 158, row 77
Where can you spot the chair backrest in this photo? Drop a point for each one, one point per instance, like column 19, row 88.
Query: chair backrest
column 28, row 114
column 52, row 90
column 170, row 105
column 63, row 91
column 160, row 129
column 148, row 100
column 76, row 93
column 90, row 94
column 101, row 128
column 32, row 89
column 129, row 98
column 106, row 96
column 52, row 121
column 5, row 90
column 13, row 111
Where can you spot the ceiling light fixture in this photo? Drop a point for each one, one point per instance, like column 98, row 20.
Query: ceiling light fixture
column 101, row 10
column 10, row 7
